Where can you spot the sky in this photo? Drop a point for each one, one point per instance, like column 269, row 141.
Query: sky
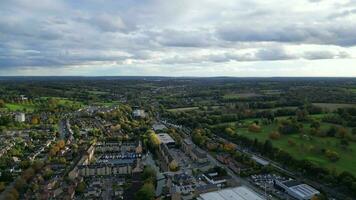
column 242, row 38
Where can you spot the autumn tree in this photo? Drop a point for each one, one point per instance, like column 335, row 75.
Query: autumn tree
column 254, row 128
column 275, row 135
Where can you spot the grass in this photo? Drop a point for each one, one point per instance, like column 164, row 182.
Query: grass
column 20, row 107
column 64, row 101
column 303, row 147
column 183, row 109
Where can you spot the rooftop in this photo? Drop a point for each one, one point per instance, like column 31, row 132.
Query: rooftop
column 304, row 190
column 237, row 193
column 165, row 138
column 260, row 160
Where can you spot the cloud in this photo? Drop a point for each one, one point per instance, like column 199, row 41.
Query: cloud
column 317, row 55
column 57, row 34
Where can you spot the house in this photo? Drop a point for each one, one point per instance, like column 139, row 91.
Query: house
column 20, row 117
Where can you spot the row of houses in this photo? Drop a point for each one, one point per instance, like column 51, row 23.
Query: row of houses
column 195, row 153
column 106, row 169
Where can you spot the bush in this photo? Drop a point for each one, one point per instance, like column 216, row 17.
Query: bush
column 274, row 135
column 289, row 127
column 332, row 155
column 254, row 128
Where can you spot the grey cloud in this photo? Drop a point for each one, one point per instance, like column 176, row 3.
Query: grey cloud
column 317, row 55
column 344, row 13
column 194, row 38
column 336, row 34
column 65, row 33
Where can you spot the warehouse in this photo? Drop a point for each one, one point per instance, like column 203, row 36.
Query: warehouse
column 166, row 139
column 237, row 193
column 296, row 189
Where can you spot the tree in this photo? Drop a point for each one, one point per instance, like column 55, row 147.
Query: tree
column 20, row 183
column 153, row 139
column 229, row 131
column 315, row 124
column 332, row 131
column 61, row 144
column 341, row 132
column 2, row 186
column 229, row 147
column 198, row 137
column 35, row 120
column 302, row 115
column 275, row 135
column 147, row 192
column 289, row 127
column 267, row 146
column 254, row 128
column 173, row 166
column 2, row 103
column 332, row 155
column 149, row 174
column 81, row 187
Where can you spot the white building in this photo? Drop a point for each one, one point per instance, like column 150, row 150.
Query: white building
column 139, row 113
column 20, row 117
column 236, row 193
column 297, row 190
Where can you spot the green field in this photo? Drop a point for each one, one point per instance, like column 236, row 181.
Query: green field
column 183, row 109
column 303, row 148
column 20, row 107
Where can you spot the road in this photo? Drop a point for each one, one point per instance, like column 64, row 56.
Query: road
column 236, row 178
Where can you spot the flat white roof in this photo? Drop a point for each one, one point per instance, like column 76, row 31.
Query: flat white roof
column 237, row 193
column 260, row 160
column 304, row 190
column 165, row 138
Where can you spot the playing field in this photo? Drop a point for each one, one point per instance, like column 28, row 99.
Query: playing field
column 304, row 147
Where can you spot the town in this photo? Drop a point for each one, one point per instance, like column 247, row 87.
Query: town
column 114, row 143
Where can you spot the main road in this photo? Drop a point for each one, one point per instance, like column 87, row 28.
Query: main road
column 213, row 160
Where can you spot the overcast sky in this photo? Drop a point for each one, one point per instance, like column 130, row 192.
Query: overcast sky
column 178, row 37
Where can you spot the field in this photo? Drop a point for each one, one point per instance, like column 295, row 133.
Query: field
column 334, row 106
column 304, row 147
column 20, row 107
column 191, row 108
column 239, row 96
column 183, row 109
column 64, row 101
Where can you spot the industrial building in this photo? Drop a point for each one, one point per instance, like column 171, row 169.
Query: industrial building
column 236, row 193
column 296, row 189
column 166, row 139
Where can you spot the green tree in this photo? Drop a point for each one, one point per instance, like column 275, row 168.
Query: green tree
column 81, row 187
column 2, row 103
column 147, row 192
column 149, row 174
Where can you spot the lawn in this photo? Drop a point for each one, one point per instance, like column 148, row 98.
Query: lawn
column 20, row 107
column 303, row 148
column 65, row 101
